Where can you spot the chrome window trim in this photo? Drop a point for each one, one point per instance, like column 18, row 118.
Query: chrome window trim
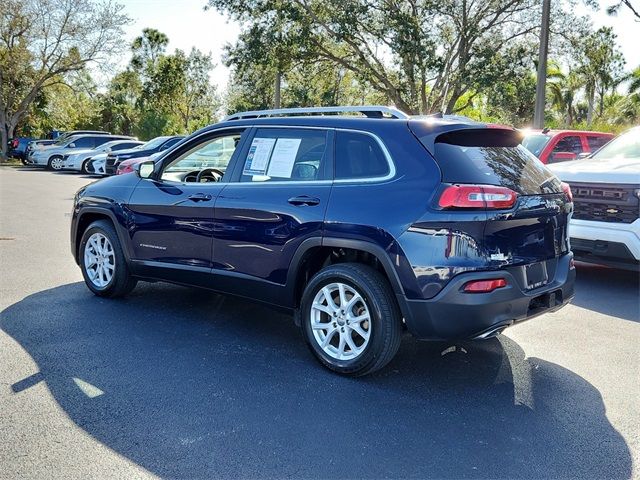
column 383, row 147
column 385, row 152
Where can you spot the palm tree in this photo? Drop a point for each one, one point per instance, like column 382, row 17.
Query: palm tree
column 563, row 89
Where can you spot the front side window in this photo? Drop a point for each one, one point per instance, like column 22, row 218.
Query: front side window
column 281, row 154
column 359, row 156
column 205, row 162
column 570, row 144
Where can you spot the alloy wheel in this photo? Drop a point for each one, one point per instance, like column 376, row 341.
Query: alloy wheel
column 99, row 260
column 340, row 321
column 56, row 163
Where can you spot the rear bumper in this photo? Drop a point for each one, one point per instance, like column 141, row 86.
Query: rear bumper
column 454, row 314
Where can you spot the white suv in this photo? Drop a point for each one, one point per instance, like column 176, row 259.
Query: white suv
column 605, row 227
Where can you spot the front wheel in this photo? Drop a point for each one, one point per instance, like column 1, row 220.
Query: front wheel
column 102, row 261
column 55, row 163
column 85, row 167
column 350, row 319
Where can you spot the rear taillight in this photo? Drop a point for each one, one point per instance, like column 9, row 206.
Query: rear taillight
column 484, row 286
column 566, row 188
column 477, row 196
column 14, row 143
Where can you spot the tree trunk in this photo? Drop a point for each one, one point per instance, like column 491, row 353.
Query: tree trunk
column 590, row 101
column 276, row 99
column 4, row 138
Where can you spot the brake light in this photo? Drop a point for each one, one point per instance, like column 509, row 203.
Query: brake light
column 477, row 196
column 566, row 188
column 14, row 143
column 484, row 286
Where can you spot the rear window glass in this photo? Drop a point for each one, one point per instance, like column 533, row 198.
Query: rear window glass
column 597, row 142
column 492, row 157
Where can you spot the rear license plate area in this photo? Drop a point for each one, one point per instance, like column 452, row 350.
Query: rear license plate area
column 536, row 275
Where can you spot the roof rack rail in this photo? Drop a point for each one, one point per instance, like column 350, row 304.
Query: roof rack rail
column 368, row 111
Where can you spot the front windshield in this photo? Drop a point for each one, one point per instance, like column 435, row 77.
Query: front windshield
column 625, row 146
column 535, row 143
column 154, row 143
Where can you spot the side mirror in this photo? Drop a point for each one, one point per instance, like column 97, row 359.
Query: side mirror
column 145, row 169
column 584, row 155
column 563, row 156
column 71, row 145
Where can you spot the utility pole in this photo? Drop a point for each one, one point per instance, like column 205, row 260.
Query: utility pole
column 541, row 85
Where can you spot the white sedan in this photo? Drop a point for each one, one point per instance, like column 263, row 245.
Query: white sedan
column 96, row 165
column 79, row 160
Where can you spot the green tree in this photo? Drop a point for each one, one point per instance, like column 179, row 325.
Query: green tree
column 42, row 42
column 119, row 110
column 422, row 55
column 600, row 64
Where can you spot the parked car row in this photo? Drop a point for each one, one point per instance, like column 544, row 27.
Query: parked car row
column 93, row 152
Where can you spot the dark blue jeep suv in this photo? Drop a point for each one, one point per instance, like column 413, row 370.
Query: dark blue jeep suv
column 361, row 227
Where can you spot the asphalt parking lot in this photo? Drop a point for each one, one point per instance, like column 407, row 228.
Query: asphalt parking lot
column 180, row 382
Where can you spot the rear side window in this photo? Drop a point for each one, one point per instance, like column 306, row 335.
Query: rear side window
column 492, row 157
column 84, row 142
column 102, row 140
column 124, row 146
column 596, row 142
column 359, row 156
column 286, row 155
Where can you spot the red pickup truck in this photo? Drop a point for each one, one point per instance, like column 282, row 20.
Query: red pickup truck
column 552, row 146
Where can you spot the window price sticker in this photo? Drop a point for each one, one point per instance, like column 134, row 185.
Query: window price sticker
column 258, row 156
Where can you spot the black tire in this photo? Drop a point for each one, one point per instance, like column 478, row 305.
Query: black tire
column 49, row 163
column 121, row 282
column 386, row 323
column 84, row 169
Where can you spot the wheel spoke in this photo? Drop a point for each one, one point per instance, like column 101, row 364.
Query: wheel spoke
column 352, row 302
column 360, row 331
column 324, row 308
column 328, row 337
column 359, row 319
column 341, row 347
column 343, row 296
column 322, row 326
column 351, row 343
column 327, row 295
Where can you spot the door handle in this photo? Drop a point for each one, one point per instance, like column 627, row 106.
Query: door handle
column 304, row 200
column 199, row 197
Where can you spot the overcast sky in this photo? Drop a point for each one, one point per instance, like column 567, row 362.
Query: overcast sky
column 187, row 25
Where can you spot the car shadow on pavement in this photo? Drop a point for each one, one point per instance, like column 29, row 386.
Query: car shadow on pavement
column 609, row 291
column 187, row 383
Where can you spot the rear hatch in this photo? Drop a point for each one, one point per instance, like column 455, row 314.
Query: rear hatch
column 524, row 227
